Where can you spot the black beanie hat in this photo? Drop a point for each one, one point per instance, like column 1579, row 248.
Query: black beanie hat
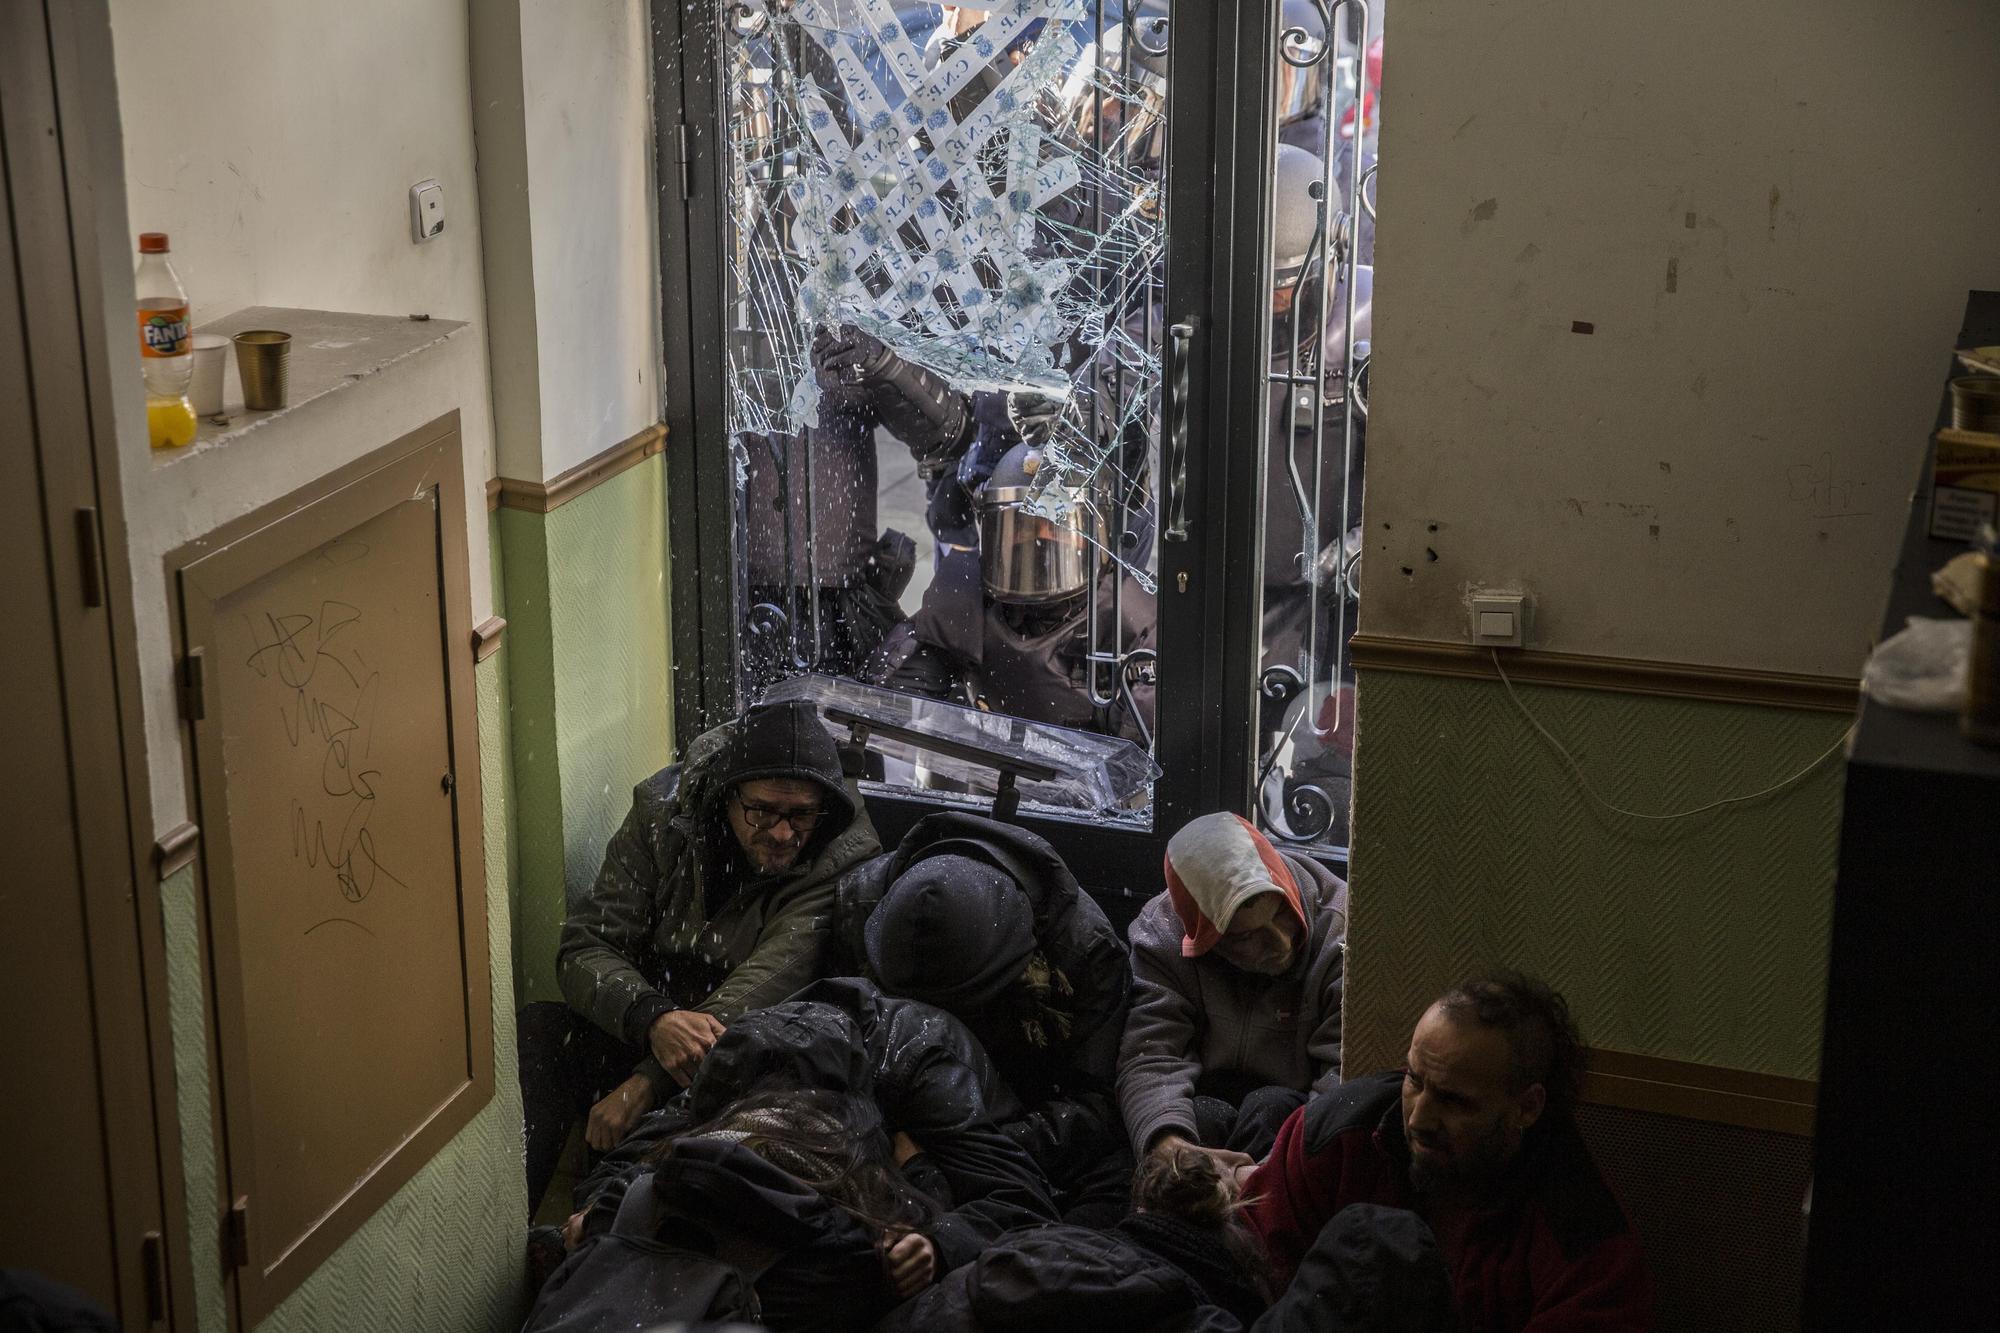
column 787, row 740
column 951, row 931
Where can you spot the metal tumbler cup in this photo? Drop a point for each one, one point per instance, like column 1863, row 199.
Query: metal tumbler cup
column 263, row 360
column 1975, row 403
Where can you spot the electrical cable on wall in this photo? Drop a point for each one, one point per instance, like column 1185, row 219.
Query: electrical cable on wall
column 1584, row 783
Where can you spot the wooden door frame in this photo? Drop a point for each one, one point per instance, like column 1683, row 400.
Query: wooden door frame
column 59, row 116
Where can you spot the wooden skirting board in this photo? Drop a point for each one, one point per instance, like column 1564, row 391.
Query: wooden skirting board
column 486, row 637
column 541, row 497
column 1700, row 1092
column 1771, row 689
column 175, row 848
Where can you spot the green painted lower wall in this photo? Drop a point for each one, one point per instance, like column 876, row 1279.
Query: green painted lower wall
column 590, row 688
column 1699, row 939
column 446, row 1254
column 188, row 1018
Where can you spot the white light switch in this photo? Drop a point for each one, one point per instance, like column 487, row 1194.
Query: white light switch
column 1499, row 619
column 426, row 210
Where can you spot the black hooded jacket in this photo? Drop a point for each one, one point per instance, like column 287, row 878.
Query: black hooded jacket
column 676, row 920
column 1067, row 1085
column 1148, row 1272
column 716, row 1231
column 923, row 1070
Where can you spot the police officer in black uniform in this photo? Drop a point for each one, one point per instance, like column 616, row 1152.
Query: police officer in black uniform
column 1007, row 626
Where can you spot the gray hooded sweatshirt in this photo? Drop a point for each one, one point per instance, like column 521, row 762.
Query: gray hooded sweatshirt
column 1195, row 1015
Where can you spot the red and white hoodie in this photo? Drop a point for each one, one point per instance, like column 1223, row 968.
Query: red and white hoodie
column 1216, row 864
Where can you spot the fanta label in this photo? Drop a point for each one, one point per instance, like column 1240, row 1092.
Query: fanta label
column 164, row 332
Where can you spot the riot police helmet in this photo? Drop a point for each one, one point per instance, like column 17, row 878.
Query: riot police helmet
column 1146, row 34
column 1041, row 537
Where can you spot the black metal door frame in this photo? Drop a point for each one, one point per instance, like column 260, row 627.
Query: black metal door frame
column 1218, row 205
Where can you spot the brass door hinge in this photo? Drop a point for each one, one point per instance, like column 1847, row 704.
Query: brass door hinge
column 90, row 556
column 236, row 1233
column 153, row 1257
column 193, row 683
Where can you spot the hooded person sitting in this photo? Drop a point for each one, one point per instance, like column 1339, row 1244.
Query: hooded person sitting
column 714, row 898
column 984, row 921
column 1236, row 992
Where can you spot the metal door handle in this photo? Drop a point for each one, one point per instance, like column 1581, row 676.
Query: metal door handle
column 1180, row 357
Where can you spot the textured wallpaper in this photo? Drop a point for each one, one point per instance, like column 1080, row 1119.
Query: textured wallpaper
column 589, row 681
column 1702, row 940
column 445, row 1254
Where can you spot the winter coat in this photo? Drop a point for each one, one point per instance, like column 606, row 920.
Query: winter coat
column 716, row 1231
column 1555, row 1254
column 1067, row 1085
column 922, row 1069
column 1148, row 1272
column 1192, row 1016
column 674, row 919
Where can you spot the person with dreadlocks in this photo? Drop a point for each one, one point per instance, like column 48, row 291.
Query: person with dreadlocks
column 714, row 898
column 984, row 921
column 1472, row 1158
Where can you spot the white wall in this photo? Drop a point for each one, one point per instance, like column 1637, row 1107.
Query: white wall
column 590, row 152
column 1770, row 212
column 564, row 110
column 276, row 144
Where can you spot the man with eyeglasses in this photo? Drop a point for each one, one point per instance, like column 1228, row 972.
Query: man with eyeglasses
column 715, row 898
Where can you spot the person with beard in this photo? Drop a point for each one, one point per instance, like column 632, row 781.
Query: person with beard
column 714, row 898
column 1477, row 1137
column 1236, row 984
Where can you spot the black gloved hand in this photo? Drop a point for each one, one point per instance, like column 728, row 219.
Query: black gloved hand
column 842, row 391
column 918, row 407
column 1033, row 415
column 846, row 357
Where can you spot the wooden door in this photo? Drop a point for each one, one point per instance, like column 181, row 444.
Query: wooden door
column 89, row 1193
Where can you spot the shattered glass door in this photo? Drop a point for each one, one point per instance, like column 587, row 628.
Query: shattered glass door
column 944, row 245
column 1329, row 61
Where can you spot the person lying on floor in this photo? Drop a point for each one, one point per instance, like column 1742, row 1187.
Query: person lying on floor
column 1474, row 1142
column 1236, row 984
column 984, row 921
column 714, row 898
column 1180, row 1259
column 783, row 1209
column 931, row 1084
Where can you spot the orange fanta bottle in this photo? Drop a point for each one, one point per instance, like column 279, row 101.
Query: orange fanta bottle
column 166, row 349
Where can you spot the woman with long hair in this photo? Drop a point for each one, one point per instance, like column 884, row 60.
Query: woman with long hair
column 785, row 1209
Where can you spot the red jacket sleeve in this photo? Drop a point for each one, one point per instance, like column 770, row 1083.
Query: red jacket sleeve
column 1603, row 1290
column 1290, row 1196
